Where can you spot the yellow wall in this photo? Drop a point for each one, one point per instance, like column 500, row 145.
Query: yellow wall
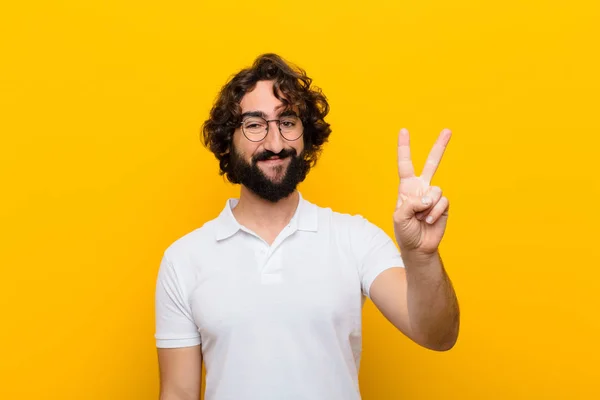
column 101, row 168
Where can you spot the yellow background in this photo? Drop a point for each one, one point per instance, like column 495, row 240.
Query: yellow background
column 101, row 168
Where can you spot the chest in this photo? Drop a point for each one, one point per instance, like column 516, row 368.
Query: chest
column 299, row 283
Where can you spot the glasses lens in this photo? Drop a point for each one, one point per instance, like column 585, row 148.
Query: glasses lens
column 291, row 127
column 255, row 126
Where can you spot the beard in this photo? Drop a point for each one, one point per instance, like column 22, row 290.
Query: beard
column 273, row 190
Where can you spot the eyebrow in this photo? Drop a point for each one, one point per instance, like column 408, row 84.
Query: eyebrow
column 288, row 113
column 261, row 114
column 254, row 114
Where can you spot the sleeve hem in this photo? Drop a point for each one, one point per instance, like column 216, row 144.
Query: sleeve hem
column 374, row 274
column 175, row 343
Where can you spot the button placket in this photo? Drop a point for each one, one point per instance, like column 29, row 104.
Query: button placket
column 262, row 258
column 268, row 279
column 273, row 263
column 269, row 257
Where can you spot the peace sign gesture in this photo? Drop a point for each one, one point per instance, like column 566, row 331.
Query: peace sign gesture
column 421, row 211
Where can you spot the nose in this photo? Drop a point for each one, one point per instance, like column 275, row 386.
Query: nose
column 273, row 142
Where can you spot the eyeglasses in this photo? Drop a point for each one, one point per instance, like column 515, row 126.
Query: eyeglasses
column 256, row 128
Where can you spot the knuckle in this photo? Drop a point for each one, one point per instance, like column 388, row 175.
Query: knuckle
column 436, row 191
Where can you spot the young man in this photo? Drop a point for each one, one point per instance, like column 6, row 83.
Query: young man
column 270, row 292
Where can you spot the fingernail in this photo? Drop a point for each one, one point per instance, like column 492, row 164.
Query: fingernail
column 403, row 131
column 426, row 200
column 429, row 219
column 447, row 134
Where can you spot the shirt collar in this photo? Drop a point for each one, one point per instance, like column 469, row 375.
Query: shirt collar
column 305, row 218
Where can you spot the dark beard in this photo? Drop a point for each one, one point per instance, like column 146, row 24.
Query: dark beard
column 254, row 179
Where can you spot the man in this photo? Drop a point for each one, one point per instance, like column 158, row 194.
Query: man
column 269, row 294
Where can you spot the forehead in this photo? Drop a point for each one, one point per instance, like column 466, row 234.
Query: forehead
column 262, row 99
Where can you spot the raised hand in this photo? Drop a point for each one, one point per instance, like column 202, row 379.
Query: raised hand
column 422, row 211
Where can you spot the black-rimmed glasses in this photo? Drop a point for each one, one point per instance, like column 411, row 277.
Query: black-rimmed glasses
column 256, row 128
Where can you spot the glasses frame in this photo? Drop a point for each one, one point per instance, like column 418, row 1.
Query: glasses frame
column 268, row 121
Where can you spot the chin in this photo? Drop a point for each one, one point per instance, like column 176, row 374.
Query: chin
column 276, row 179
column 275, row 174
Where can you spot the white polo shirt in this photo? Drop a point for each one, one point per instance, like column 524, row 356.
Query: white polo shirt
column 279, row 322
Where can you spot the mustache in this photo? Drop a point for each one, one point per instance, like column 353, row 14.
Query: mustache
column 267, row 154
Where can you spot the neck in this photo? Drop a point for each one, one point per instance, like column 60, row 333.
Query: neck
column 255, row 211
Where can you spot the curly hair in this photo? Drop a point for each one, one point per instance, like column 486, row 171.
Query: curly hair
column 291, row 86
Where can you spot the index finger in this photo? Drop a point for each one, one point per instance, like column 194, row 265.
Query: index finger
column 435, row 155
column 405, row 165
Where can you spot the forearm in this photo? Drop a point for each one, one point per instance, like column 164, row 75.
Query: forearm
column 178, row 395
column 180, row 373
column 432, row 305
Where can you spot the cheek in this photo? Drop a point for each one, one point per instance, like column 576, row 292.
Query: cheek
column 243, row 147
column 299, row 146
column 235, row 139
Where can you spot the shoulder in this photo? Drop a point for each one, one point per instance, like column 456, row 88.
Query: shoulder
column 181, row 258
column 342, row 220
column 345, row 225
column 357, row 235
column 191, row 244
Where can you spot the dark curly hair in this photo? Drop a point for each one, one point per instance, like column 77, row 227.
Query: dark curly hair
column 291, row 86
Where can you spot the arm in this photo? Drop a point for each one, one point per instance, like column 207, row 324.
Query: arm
column 180, row 373
column 177, row 338
column 419, row 299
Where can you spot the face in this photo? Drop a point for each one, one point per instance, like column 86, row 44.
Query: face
column 273, row 166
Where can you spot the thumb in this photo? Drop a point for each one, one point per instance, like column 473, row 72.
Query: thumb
column 411, row 205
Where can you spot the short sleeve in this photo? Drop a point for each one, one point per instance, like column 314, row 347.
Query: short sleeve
column 175, row 326
column 375, row 251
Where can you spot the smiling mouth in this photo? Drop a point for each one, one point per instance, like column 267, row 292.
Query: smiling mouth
column 273, row 160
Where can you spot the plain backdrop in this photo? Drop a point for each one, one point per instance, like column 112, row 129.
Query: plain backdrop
column 101, row 167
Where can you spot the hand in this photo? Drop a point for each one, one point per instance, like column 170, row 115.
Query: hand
column 421, row 211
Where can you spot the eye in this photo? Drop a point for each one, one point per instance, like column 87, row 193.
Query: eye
column 254, row 124
column 288, row 123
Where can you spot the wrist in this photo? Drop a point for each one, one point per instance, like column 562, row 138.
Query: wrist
column 416, row 258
